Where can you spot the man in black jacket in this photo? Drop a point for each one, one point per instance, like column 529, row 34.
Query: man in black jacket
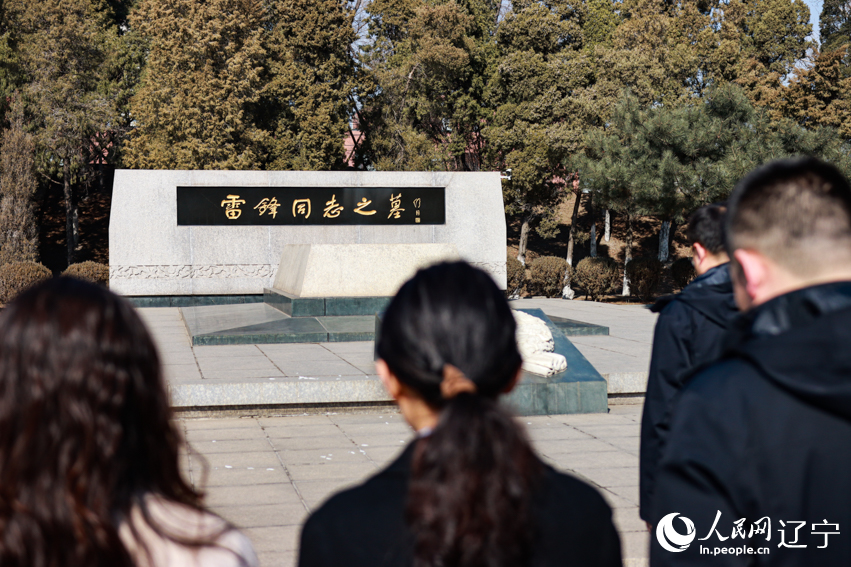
column 757, row 465
column 689, row 333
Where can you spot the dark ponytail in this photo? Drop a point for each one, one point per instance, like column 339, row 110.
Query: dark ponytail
column 472, row 479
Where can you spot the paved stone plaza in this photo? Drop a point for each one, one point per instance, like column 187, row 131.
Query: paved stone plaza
column 622, row 357
column 266, row 473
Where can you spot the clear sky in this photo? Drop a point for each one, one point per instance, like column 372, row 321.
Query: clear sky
column 815, row 10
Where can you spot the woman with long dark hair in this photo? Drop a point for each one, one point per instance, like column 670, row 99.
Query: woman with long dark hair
column 89, row 472
column 469, row 490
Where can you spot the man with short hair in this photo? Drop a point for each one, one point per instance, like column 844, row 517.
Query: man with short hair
column 689, row 333
column 757, row 464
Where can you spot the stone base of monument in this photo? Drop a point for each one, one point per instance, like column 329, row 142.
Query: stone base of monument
column 285, row 318
column 579, row 389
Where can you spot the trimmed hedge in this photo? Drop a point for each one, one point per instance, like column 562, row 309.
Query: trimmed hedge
column 15, row 277
column 516, row 276
column 546, row 275
column 644, row 276
column 682, row 272
column 89, row 271
column 596, row 276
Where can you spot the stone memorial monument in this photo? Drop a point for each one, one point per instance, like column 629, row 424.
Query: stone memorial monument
column 215, row 237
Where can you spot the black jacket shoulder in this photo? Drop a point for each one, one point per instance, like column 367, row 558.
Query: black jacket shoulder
column 365, row 525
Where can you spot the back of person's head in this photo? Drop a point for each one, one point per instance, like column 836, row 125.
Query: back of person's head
column 706, row 227
column 85, row 426
column 449, row 336
column 796, row 213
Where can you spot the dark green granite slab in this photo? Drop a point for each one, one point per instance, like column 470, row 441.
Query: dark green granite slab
column 355, row 328
column 293, row 305
column 191, row 300
column 208, row 319
column 345, row 306
column 573, row 328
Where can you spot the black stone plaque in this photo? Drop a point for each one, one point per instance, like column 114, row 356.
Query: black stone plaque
column 243, row 206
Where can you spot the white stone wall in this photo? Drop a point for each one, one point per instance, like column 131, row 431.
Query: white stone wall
column 150, row 255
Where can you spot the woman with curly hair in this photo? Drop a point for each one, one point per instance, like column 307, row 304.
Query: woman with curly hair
column 89, row 472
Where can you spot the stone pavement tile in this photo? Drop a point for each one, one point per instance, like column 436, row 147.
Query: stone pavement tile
column 316, row 492
column 274, row 540
column 317, row 368
column 238, row 363
column 605, row 476
column 614, row 500
column 284, row 444
column 598, row 459
column 178, row 356
column 346, row 453
column 236, row 375
column 304, row 351
column 236, row 446
column 604, row 431
column 387, row 427
column 580, row 419
column 278, row 493
column 297, row 419
column 319, row 429
column 629, row 493
column 226, row 351
column 628, row 520
column 257, row 460
column 383, row 456
column 628, row 444
column 570, row 446
column 193, row 435
column 278, row 558
column 181, row 372
column 264, row 515
column 243, row 476
column 556, row 433
column 331, row 471
column 221, row 423
column 635, row 545
column 365, row 347
column 390, row 440
column 389, row 413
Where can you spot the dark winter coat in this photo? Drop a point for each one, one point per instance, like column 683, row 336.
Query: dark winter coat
column 766, row 433
column 689, row 333
column 365, row 526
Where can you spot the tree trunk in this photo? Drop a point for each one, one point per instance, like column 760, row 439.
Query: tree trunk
column 628, row 252
column 592, row 237
column 524, row 238
column 664, row 241
column 572, row 235
column 608, row 231
column 72, row 220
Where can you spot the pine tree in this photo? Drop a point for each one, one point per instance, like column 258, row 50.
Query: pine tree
column 62, row 51
column 835, row 24
column 18, row 232
column 315, row 83
column 195, row 106
column 430, row 61
column 538, row 90
column 820, row 95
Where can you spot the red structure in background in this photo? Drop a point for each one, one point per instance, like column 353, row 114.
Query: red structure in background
column 352, row 141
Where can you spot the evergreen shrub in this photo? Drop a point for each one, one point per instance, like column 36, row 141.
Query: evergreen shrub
column 682, row 272
column 15, row 277
column 546, row 275
column 596, row 276
column 644, row 276
column 90, row 271
column 516, row 275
